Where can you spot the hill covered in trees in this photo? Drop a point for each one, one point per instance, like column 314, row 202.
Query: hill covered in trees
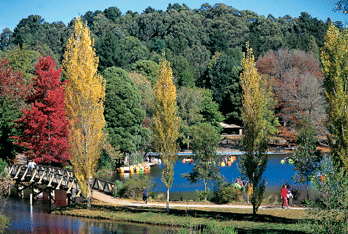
column 203, row 45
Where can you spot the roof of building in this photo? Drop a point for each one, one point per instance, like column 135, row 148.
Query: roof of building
column 225, row 125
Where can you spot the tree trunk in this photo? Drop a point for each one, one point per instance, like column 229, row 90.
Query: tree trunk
column 307, row 190
column 89, row 194
column 253, row 200
column 167, row 200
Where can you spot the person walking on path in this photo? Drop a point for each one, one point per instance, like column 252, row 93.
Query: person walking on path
column 284, row 196
column 145, row 195
column 289, row 195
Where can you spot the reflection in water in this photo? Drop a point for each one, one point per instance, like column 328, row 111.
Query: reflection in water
column 33, row 219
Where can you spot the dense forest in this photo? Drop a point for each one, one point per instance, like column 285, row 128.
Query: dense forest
column 204, row 47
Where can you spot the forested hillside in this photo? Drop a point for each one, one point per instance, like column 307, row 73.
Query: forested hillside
column 204, row 47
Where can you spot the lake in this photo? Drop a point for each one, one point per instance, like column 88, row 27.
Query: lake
column 35, row 219
column 276, row 175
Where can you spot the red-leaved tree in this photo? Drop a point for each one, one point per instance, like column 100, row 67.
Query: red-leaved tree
column 45, row 125
column 12, row 84
column 298, row 88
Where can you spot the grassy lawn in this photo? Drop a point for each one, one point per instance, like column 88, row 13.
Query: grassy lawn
column 267, row 220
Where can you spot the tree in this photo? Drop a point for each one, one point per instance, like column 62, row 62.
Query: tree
column 334, row 59
column 166, row 123
column 223, row 81
column 146, row 92
column 23, row 60
column 147, row 68
column 307, row 158
column 330, row 209
column 205, row 140
column 189, row 102
column 45, row 135
column 123, row 112
column 84, row 101
column 342, row 5
column 13, row 91
column 298, row 88
column 254, row 141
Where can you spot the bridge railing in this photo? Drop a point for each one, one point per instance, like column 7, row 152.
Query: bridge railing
column 57, row 178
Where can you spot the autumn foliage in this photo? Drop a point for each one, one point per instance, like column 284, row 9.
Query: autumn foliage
column 45, row 135
column 12, row 84
column 166, row 123
column 84, row 97
column 298, row 86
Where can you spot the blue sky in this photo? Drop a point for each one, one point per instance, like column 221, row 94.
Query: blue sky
column 12, row 11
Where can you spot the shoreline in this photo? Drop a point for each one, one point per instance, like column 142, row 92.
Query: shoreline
column 193, row 216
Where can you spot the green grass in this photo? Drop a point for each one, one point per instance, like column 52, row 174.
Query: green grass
column 267, row 220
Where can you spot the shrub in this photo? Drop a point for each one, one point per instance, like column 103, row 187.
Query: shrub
column 203, row 195
column 3, row 165
column 210, row 228
column 132, row 188
column 117, row 188
column 227, row 194
column 161, row 197
column 3, row 223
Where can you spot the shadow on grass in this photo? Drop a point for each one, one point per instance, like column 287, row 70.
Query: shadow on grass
column 222, row 216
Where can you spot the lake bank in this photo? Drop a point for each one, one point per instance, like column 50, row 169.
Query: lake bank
column 267, row 220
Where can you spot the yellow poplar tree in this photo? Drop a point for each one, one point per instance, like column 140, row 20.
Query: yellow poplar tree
column 334, row 58
column 84, row 97
column 254, row 142
column 166, row 123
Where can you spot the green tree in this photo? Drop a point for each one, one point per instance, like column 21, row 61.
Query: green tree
column 189, row 106
column 330, row 209
column 254, row 141
column 147, row 68
column 334, row 59
column 205, row 140
column 123, row 112
column 166, row 123
column 84, row 100
column 22, row 59
column 307, row 158
column 223, row 81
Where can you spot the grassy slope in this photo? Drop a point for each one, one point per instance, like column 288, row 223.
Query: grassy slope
column 267, row 221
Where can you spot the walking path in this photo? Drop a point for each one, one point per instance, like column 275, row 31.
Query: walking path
column 116, row 201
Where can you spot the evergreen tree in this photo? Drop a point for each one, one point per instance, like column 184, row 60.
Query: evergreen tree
column 84, row 99
column 45, row 135
column 254, row 142
column 123, row 112
column 166, row 123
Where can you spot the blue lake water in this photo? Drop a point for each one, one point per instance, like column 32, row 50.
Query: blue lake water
column 276, row 175
column 25, row 219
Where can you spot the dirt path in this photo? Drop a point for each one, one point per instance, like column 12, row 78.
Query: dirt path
column 117, row 201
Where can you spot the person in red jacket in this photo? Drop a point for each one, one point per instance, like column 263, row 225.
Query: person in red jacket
column 284, row 196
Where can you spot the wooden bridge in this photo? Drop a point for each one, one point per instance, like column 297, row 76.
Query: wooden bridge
column 46, row 180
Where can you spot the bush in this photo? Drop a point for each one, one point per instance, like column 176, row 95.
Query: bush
column 117, row 188
column 203, row 195
column 227, row 194
column 135, row 158
column 161, row 197
column 3, row 223
column 3, row 165
column 132, row 188
column 209, row 228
